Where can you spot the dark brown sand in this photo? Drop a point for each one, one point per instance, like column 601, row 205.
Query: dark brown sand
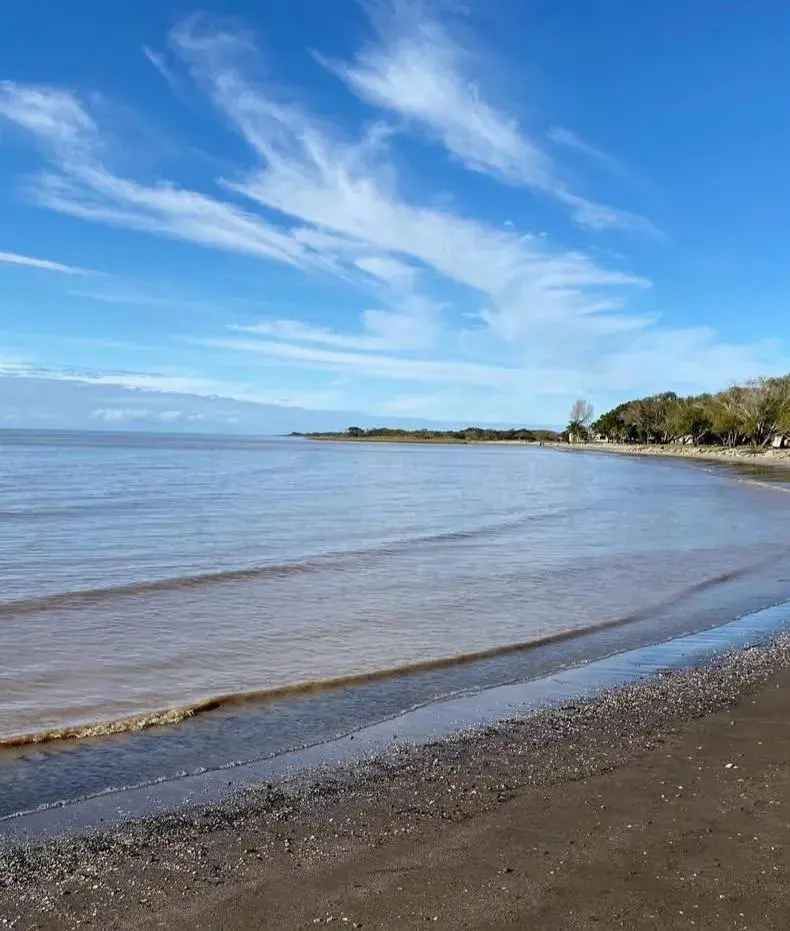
column 660, row 805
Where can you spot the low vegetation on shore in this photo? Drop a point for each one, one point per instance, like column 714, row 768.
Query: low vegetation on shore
column 756, row 414
column 467, row 435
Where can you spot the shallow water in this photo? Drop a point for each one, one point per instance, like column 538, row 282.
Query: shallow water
column 141, row 573
column 114, row 803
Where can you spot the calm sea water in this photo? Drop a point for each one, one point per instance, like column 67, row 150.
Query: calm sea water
column 140, row 573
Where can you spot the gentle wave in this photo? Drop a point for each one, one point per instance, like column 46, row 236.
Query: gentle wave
column 81, row 598
column 762, row 483
column 175, row 715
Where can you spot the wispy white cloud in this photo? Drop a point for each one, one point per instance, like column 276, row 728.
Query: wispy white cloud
column 173, row 81
column 346, row 194
column 41, row 400
column 154, row 381
column 153, row 395
column 80, row 185
column 93, row 193
column 396, row 367
column 50, row 113
column 19, row 367
column 341, row 191
column 420, row 73
column 120, row 414
column 559, row 135
column 131, row 414
column 694, row 357
column 567, row 139
column 345, row 189
column 601, row 216
column 526, row 317
column 125, row 296
column 13, row 258
column 134, row 293
column 99, row 342
column 173, row 416
column 396, row 274
column 376, row 337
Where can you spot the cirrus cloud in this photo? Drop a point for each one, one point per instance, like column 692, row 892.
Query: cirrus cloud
column 452, row 297
column 13, row 258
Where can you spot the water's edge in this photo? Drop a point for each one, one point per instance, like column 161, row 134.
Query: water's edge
column 55, row 781
column 419, row 726
column 179, row 713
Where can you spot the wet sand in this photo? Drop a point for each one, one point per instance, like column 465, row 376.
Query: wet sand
column 657, row 805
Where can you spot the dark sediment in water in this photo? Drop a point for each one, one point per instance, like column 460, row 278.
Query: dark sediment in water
column 288, row 853
column 264, row 733
column 419, row 725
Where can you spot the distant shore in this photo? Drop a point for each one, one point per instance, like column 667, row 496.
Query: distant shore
column 340, row 438
column 657, row 804
column 466, row 436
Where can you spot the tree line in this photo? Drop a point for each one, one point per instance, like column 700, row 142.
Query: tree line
column 753, row 413
column 466, row 435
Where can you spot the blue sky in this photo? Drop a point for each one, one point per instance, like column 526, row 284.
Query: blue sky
column 241, row 217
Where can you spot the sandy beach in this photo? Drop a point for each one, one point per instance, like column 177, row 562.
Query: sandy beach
column 657, row 805
column 738, row 454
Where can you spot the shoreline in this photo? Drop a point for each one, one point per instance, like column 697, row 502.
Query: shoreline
column 156, row 718
column 535, row 821
column 738, row 454
column 479, row 830
column 153, row 717
column 413, row 440
column 734, row 454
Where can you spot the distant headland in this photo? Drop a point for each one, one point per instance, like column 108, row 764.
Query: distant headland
column 466, row 435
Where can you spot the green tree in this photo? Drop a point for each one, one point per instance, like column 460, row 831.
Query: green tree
column 763, row 407
column 725, row 411
column 613, row 426
column 687, row 417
